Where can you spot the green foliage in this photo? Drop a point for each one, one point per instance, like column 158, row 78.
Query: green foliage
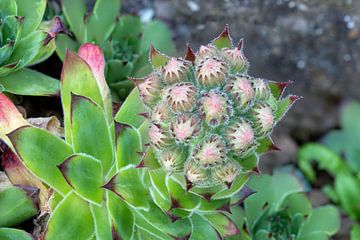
column 280, row 210
column 124, row 39
column 24, row 41
column 339, row 156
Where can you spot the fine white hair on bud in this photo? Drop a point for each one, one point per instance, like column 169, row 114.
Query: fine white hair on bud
column 263, row 119
column 158, row 136
column 181, row 97
column 236, row 59
column 150, row 89
column 211, row 72
column 184, row 127
column 161, row 113
column 241, row 90
column 262, row 91
column 227, row 172
column 215, row 108
column 173, row 158
column 175, row 70
column 240, row 137
column 196, row 174
column 211, row 152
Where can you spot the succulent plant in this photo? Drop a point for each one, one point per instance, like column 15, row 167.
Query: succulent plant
column 17, row 204
column 125, row 40
column 278, row 209
column 25, row 41
column 209, row 120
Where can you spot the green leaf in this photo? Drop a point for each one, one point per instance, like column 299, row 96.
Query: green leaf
column 128, row 26
column 101, row 219
column 128, row 146
column 30, row 82
column 90, row 131
column 5, row 52
column 270, row 191
column 157, row 33
column 121, row 216
column 201, row 228
column 127, row 184
column 84, row 174
column 102, row 20
column 180, row 198
column 71, row 219
column 77, row 78
column 8, row 8
column 238, row 183
column 64, row 42
column 33, row 11
column 323, row 219
column 223, row 224
column 27, row 49
column 223, row 40
column 355, row 232
column 277, row 88
column 41, row 152
column 157, row 59
column 130, row 109
column 74, row 12
column 325, row 158
column 14, row 234
column 16, row 206
column 118, row 70
column 283, row 105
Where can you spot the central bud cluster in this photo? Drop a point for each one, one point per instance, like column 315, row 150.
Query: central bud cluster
column 206, row 113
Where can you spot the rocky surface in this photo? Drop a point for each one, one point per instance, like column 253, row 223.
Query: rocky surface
column 314, row 43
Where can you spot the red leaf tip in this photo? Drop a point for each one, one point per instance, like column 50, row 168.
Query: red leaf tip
column 190, row 55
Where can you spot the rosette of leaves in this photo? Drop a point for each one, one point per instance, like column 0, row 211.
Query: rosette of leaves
column 24, row 41
column 343, row 168
column 17, row 204
column 279, row 210
column 103, row 188
column 124, row 39
column 209, row 120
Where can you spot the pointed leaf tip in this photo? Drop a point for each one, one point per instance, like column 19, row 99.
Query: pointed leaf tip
column 223, row 40
column 190, row 55
column 137, row 81
column 240, row 44
column 56, row 28
column 157, row 58
column 10, row 117
column 294, row 98
column 93, row 55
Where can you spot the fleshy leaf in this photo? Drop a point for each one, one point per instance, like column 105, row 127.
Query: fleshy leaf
column 157, row 59
column 14, row 234
column 284, row 105
column 32, row 11
column 30, row 82
column 102, row 222
column 127, row 184
column 223, row 40
column 75, row 12
column 71, row 219
column 128, row 26
column 277, row 88
column 90, row 132
column 77, row 78
column 64, row 42
column 122, row 218
column 224, row 225
column 101, row 22
column 17, row 205
column 84, row 174
column 201, row 228
column 41, row 152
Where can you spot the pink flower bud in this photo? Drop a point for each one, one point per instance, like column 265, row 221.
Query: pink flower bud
column 150, row 89
column 181, row 97
column 158, row 136
column 211, row 152
column 241, row 90
column 263, row 119
column 240, row 137
column 185, row 127
column 236, row 60
column 196, row 174
column 172, row 159
column 262, row 91
column 175, row 70
column 227, row 172
column 211, row 72
column 215, row 108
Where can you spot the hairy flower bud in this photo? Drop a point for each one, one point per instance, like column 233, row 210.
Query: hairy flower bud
column 240, row 137
column 263, row 117
column 150, row 89
column 241, row 90
column 161, row 113
column 196, row 174
column 236, row 59
column 175, row 70
column 262, row 91
column 227, row 173
column 211, row 72
column 185, row 127
column 158, row 136
column 173, row 158
column 181, row 97
column 215, row 108
column 210, row 152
